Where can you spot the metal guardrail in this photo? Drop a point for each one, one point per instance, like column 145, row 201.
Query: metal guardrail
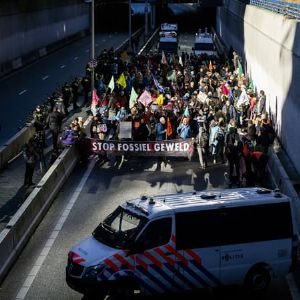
column 148, row 45
column 289, row 8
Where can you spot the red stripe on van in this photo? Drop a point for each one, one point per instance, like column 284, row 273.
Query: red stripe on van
column 141, row 263
column 111, row 264
column 178, row 255
column 153, row 259
column 169, row 260
column 195, row 256
column 78, row 260
column 123, row 261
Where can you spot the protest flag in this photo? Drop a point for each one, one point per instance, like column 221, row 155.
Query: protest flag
column 169, row 128
column 157, row 84
column 133, row 97
column 111, row 84
column 180, row 60
column 122, row 81
column 95, row 99
column 186, row 112
column 172, row 76
column 163, row 58
column 145, row 98
column 240, row 72
column 210, row 66
column 160, row 100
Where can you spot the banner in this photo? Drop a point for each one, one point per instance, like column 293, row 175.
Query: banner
column 147, row 148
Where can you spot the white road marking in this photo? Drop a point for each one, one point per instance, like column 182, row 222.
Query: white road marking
column 62, row 66
column 45, row 77
column 23, row 92
column 76, row 57
column 43, row 255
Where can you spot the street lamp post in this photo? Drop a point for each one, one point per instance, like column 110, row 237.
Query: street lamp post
column 129, row 26
column 92, row 46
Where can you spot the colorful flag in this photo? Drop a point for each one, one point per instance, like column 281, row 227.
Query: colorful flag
column 145, row 98
column 95, row 99
column 169, row 128
column 210, row 66
column 160, row 100
column 240, row 72
column 124, row 56
column 163, row 58
column 186, row 112
column 172, row 76
column 251, row 85
column 133, row 97
column 180, row 60
column 157, row 84
column 111, row 84
column 122, row 81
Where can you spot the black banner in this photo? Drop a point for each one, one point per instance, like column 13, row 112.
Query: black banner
column 147, row 148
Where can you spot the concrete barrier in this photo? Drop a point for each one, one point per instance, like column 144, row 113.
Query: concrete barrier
column 281, row 180
column 15, row 144
column 17, row 232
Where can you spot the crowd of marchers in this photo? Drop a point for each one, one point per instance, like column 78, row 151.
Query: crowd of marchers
column 171, row 97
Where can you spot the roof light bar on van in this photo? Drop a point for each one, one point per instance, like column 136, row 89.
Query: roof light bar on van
column 137, row 207
column 263, row 191
column 208, row 196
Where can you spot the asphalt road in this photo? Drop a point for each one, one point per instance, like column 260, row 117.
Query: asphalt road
column 23, row 90
column 39, row 273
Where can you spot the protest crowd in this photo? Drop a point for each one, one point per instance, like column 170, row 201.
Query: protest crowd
column 167, row 97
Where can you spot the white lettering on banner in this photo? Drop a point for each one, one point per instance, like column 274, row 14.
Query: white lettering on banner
column 125, row 147
column 186, row 147
column 148, row 148
column 156, row 147
column 162, row 147
column 176, row 147
column 95, row 148
column 170, row 147
column 119, row 147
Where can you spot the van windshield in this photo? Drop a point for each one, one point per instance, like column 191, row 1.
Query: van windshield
column 204, row 46
column 119, row 228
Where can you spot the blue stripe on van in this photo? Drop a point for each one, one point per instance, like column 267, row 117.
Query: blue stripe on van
column 166, row 276
column 180, row 276
column 206, row 272
column 152, row 278
column 193, row 274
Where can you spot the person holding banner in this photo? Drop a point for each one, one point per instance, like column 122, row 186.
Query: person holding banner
column 161, row 130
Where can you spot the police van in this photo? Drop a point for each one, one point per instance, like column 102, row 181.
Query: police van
column 187, row 241
column 168, row 38
column 204, row 43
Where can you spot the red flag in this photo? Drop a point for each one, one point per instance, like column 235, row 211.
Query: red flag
column 169, row 128
column 95, row 98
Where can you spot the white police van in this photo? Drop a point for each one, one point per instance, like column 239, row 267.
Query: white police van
column 187, row 241
column 204, row 44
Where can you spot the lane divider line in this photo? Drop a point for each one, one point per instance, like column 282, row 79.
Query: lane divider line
column 76, row 57
column 48, row 245
column 45, row 77
column 62, row 66
column 23, row 92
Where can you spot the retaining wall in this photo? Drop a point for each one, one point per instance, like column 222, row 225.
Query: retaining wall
column 270, row 46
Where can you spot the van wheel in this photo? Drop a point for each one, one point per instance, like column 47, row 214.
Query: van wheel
column 258, row 280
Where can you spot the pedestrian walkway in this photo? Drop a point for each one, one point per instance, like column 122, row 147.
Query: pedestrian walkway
column 13, row 192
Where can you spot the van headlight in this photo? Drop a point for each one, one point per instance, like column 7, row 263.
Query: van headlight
column 94, row 271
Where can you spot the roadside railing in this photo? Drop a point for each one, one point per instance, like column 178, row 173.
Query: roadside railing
column 289, row 8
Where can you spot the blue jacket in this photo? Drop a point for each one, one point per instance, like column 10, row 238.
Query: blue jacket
column 184, row 131
column 160, row 132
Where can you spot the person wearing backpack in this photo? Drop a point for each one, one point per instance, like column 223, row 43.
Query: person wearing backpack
column 232, row 152
column 202, row 143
